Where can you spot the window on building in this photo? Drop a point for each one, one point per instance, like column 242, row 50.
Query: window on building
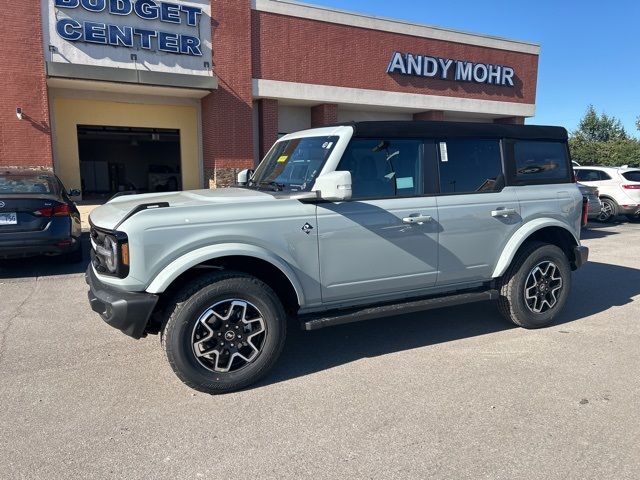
column 468, row 166
column 384, row 168
column 536, row 161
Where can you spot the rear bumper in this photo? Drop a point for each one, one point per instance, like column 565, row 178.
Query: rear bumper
column 629, row 209
column 129, row 312
column 581, row 256
column 26, row 248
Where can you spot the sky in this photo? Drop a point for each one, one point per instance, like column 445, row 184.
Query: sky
column 590, row 50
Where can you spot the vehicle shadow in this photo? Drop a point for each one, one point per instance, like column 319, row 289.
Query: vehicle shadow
column 598, row 230
column 306, row 353
column 44, row 266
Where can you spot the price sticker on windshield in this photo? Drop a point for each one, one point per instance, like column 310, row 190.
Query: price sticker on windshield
column 283, row 159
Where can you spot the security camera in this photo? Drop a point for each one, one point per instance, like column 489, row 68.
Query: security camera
column 19, row 113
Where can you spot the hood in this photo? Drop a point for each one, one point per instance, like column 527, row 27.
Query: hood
column 109, row 215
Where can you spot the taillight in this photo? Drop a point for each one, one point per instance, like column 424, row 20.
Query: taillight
column 61, row 210
column 585, row 211
column 632, row 187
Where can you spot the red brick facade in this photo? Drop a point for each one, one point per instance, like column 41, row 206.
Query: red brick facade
column 227, row 119
column 324, row 114
column 24, row 142
column 249, row 45
column 346, row 56
column 267, row 124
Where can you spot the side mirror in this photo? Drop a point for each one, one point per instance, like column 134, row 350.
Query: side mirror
column 243, row 177
column 74, row 192
column 334, row 186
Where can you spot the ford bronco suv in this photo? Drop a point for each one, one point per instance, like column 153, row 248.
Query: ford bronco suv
column 341, row 224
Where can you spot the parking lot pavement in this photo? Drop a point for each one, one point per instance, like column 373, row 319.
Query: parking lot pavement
column 455, row 393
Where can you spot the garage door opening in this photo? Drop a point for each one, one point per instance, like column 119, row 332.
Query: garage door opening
column 128, row 159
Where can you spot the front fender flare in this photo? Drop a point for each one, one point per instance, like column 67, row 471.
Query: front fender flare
column 521, row 235
column 180, row 265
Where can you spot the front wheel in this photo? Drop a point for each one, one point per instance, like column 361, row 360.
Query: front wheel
column 224, row 332
column 536, row 286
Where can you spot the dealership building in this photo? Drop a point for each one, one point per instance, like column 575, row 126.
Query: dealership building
column 153, row 95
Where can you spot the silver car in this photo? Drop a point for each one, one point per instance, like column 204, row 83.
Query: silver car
column 341, row 224
column 592, row 196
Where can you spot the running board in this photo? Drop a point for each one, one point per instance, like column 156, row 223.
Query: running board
column 340, row 317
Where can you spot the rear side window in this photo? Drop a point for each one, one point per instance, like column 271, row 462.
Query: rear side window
column 384, row 168
column 588, row 175
column 470, row 166
column 632, row 176
column 538, row 162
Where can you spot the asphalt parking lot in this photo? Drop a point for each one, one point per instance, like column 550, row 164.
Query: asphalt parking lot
column 456, row 393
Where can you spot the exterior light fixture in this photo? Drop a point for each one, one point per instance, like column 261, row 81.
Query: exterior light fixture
column 134, row 57
column 19, row 113
column 207, row 65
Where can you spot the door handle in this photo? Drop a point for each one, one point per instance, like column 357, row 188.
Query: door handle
column 419, row 219
column 503, row 212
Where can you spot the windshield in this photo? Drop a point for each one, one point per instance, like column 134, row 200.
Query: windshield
column 294, row 164
column 20, row 184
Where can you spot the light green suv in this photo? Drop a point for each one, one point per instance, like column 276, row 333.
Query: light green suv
column 337, row 225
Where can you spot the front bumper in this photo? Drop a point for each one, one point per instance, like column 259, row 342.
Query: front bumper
column 129, row 312
column 581, row 256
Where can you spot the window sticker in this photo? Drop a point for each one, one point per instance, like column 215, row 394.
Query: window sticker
column 404, row 182
column 283, row 159
column 327, row 145
column 444, row 154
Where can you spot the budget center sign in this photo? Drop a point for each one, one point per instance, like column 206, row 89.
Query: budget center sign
column 167, row 36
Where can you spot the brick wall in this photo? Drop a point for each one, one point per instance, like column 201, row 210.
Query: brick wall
column 268, row 124
column 227, row 125
column 324, row 114
column 308, row 51
column 24, row 142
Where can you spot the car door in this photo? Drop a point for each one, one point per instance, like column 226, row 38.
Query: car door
column 384, row 242
column 477, row 212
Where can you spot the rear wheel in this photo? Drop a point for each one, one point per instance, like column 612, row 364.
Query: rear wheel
column 633, row 218
column 609, row 210
column 536, row 286
column 224, row 332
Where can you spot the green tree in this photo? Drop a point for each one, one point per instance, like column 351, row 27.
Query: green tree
column 600, row 128
column 638, row 123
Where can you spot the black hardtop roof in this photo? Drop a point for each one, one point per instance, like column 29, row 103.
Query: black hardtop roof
column 427, row 129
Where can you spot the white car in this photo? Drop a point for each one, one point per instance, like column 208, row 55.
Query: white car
column 619, row 190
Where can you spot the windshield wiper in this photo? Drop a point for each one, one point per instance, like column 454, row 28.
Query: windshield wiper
column 278, row 187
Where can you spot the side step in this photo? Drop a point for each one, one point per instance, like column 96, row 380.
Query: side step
column 340, row 317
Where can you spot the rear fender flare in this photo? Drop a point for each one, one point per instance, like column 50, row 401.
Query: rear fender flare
column 521, row 236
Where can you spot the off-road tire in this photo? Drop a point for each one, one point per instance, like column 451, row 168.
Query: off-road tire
column 183, row 313
column 512, row 303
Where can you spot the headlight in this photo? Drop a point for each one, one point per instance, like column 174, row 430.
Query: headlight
column 110, row 252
